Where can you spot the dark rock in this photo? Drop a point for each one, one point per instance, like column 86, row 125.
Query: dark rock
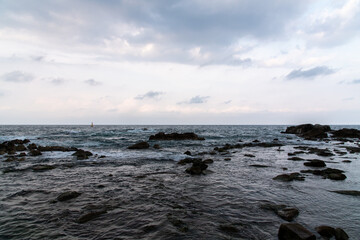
column 289, row 177
column 336, row 176
column 82, row 154
column 340, row 234
column 175, row 136
column 258, row 166
column 228, row 228
column 346, row 161
column 294, row 231
column 102, row 156
column 10, row 159
column 32, row 146
column 20, row 147
column 330, row 173
column 288, row 213
column 156, row 146
column 42, row 167
column 353, row 149
column 296, row 159
column 140, row 145
column 309, row 131
column 256, row 141
column 90, row 216
column 348, row 192
column 35, row 152
column 197, row 168
column 227, row 159
column 56, row 149
column 325, row 231
column 22, row 154
column 346, row 133
column 249, row 155
column 68, row 195
column 315, row 163
column 208, row 161
column 188, row 160
column 187, row 153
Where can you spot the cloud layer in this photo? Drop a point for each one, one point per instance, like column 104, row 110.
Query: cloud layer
column 310, row 73
column 17, row 77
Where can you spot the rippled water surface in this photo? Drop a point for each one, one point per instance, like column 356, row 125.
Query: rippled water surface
column 145, row 194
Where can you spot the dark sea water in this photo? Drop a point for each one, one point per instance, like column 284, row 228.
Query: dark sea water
column 147, row 195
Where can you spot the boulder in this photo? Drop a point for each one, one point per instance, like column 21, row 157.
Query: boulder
column 288, row 213
column 289, row 177
column 325, row 231
column 294, row 231
column 315, row 163
column 197, row 168
column 82, row 154
column 330, row 173
column 340, row 234
column 346, row 133
column 187, row 153
column 140, row 145
column 90, row 216
column 175, row 136
column 309, row 131
column 35, row 152
column 67, row 196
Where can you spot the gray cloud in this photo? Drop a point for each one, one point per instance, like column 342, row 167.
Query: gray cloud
column 38, row 58
column 310, row 73
column 150, row 94
column 17, row 77
column 57, row 81
column 196, row 100
column 92, row 82
column 355, row 81
column 228, row 102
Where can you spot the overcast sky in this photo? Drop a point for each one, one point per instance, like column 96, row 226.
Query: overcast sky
column 179, row 62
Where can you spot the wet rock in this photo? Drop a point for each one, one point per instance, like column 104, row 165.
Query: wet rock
column 227, row 159
column 208, row 161
column 32, row 146
column 353, row 149
column 10, row 159
column 346, row 161
column 288, row 213
column 187, row 153
column 289, row 177
column 188, row 160
column 102, row 156
column 156, row 146
column 22, row 154
column 346, row 133
column 20, row 147
column 294, row 231
column 309, row 131
column 315, row 163
column 340, row 234
column 348, row 192
column 140, row 145
column 325, row 231
column 56, row 149
column 35, row 152
column 249, row 155
column 296, row 159
column 341, row 153
column 256, row 141
column 90, row 216
column 336, row 176
column 42, row 167
column 228, row 228
column 259, row 166
column 175, row 136
column 197, row 168
column 330, row 173
column 67, row 196
column 82, row 154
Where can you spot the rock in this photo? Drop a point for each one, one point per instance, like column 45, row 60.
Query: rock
column 294, row 231
column 348, row 192
column 188, row 160
column 315, row 163
column 256, row 141
column 353, row 149
column 140, row 145
column 228, row 228
column 67, row 196
column 346, row 133
column 187, row 153
column 330, row 173
column 296, row 159
column 288, row 213
column 259, row 166
column 309, row 131
column 346, row 161
column 175, row 136
column 227, row 159
column 289, row 177
column 340, row 234
column 82, row 154
column 208, row 161
column 90, row 216
column 10, row 159
column 20, row 147
column 35, row 152
column 249, row 155
column 336, row 176
column 325, row 231
column 22, row 154
column 156, row 146
column 32, row 146
column 197, row 168
column 56, row 149
column 42, row 167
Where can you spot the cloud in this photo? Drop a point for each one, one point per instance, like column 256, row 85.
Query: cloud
column 150, row 94
column 17, row 77
column 57, row 81
column 355, row 81
column 92, row 82
column 196, row 100
column 228, row 102
column 38, row 58
column 310, row 73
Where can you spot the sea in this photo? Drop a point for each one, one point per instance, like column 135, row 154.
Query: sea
column 146, row 194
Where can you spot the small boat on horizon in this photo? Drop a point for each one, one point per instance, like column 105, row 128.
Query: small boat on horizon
column 92, row 124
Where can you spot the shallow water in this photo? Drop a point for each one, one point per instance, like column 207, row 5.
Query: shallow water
column 147, row 195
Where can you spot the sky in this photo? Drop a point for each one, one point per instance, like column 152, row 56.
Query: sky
column 179, row 62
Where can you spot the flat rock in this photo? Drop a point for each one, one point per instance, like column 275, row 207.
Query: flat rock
column 289, row 177
column 346, row 133
column 42, row 167
column 294, row 231
column 288, row 213
column 140, row 145
column 296, row 159
column 67, row 196
column 175, row 136
column 315, row 163
column 348, row 192
column 249, row 155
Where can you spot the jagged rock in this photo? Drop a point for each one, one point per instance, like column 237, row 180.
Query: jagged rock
column 348, row 192
column 82, row 154
column 330, row 173
column 156, row 146
column 67, row 196
column 283, row 211
column 197, row 168
column 249, row 155
column 32, row 146
column 175, row 136
column 325, row 231
column 187, row 153
column 309, row 130
column 346, row 133
column 140, row 145
column 35, row 152
column 42, row 167
column 315, row 163
column 294, row 231
column 20, row 147
column 289, row 177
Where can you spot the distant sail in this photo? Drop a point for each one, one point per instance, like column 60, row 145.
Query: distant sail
column 92, row 124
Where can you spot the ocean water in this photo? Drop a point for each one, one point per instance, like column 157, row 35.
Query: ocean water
column 147, row 195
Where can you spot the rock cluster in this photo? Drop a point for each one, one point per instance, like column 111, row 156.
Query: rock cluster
column 175, row 136
column 309, row 131
column 140, row 145
column 329, row 173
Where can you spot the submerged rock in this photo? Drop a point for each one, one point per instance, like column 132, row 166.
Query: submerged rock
column 197, row 168
column 175, row 136
column 82, row 154
column 348, row 192
column 315, row 163
column 330, row 173
column 90, row 216
column 285, row 212
column 140, row 145
column 67, row 196
column 294, row 231
column 35, row 152
column 249, row 155
column 42, row 167
column 289, row 177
